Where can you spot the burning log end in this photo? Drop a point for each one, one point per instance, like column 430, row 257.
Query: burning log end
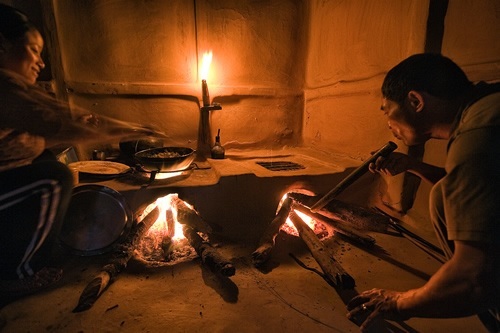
column 208, row 254
column 357, row 217
column 342, row 228
column 334, row 273
column 95, row 287
column 266, row 243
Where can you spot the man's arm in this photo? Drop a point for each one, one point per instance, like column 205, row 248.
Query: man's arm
column 463, row 286
column 397, row 163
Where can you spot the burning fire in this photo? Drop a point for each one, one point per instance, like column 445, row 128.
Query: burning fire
column 167, row 223
column 288, row 226
column 165, row 240
column 205, row 65
column 168, row 175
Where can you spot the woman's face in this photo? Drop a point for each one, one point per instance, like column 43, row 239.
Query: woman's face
column 25, row 56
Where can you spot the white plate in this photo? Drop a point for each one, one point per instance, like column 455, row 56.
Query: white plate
column 100, row 167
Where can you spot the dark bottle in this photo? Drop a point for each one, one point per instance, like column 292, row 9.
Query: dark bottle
column 217, row 150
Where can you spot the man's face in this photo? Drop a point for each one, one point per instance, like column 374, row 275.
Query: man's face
column 24, row 57
column 403, row 122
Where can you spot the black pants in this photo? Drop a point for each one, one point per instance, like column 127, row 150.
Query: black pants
column 33, row 201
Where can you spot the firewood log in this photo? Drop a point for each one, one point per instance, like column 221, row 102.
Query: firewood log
column 209, row 254
column 340, row 227
column 169, row 218
column 119, row 259
column 189, row 216
column 332, row 269
column 266, row 242
column 357, row 217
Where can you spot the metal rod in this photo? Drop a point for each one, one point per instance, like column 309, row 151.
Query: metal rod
column 353, row 176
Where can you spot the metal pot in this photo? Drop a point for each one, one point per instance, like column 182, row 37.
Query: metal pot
column 165, row 159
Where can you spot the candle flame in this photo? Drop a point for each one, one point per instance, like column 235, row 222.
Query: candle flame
column 205, row 65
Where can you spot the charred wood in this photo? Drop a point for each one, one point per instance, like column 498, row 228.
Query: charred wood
column 169, row 218
column 209, row 254
column 267, row 241
column 189, row 216
column 332, row 269
column 357, row 217
column 340, row 227
column 119, row 259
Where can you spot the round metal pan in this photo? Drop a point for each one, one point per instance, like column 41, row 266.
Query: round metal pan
column 165, row 159
column 97, row 218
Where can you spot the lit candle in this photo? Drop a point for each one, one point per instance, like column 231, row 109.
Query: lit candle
column 204, row 93
column 207, row 59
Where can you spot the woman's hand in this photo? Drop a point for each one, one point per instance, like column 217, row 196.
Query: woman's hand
column 89, row 120
column 374, row 304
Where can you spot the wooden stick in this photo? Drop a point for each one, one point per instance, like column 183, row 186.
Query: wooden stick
column 119, row 261
column 357, row 217
column 208, row 254
column 338, row 226
column 169, row 218
column 332, row 269
column 267, row 241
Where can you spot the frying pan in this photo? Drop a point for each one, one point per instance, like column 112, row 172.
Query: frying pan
column 165, row 159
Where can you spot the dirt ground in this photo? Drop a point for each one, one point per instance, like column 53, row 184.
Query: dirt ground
column 188, row 297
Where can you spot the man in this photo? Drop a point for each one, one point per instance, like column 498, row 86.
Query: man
column 427, row 96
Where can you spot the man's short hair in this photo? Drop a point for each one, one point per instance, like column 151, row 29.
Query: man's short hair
column 427, row 72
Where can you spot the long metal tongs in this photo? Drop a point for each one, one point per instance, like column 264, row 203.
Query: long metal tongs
column 423, row 244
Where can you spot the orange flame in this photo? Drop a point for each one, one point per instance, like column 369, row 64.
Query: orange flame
column 167, row 211
column 288, row 226
column 205, row 65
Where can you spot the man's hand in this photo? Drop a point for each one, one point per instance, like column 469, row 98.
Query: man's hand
column 391, row 165
column 374, row 304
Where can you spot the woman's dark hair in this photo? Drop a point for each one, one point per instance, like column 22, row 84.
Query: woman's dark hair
column 428, row 72
column 13, row 23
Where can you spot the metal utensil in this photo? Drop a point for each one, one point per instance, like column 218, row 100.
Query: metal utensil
column 353, row 176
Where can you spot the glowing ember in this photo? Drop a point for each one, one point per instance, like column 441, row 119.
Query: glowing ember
column 289, row 228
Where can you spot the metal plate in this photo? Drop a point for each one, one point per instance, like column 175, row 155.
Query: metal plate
column 97, row 218
column 100, row 167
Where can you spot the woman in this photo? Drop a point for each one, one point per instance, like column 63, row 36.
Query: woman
column 35, row 190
